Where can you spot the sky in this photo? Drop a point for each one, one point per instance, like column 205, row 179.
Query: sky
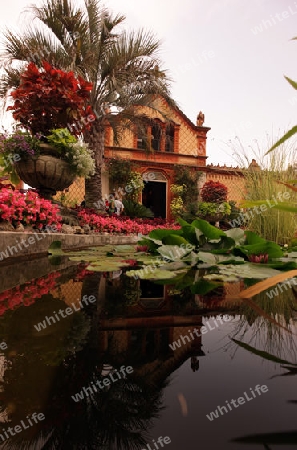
column 227, row 58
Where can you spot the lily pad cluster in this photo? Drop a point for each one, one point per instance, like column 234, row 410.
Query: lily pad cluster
column 210, row 253
column 198, row 255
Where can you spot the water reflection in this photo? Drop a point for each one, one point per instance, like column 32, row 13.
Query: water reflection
column 132, row 324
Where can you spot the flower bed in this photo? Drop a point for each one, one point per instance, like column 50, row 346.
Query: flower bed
column 28, row 209
column 121, row 225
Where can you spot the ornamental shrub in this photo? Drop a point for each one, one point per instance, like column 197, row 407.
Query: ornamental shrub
column 214, row 192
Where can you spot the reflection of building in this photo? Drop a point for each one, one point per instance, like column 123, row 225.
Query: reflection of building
column 226, row 295
column 143, row 332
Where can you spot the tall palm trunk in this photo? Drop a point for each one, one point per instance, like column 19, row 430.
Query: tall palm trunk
column 95, row 137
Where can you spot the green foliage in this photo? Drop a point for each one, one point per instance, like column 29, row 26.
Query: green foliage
column 135, row 186
column 61, row 138
column 206, row 209
column 189, row 178
column 199, row 244
column 65, row 200
column 134, row 209
column 177, row 204
column 119, row 171
column 76, row 153
column 274, row 184
column 235, row 211
column 124, row 178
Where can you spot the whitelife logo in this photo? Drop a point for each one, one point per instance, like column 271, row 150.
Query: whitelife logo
column 241, row 401
column 161, row 441
column 23, row 426
column 49, row 320
column 184, row 339
column 288, row 284
column 105, row 382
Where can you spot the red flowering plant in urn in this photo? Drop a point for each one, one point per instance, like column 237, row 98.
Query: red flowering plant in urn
column 214, row 205
column 51, row 105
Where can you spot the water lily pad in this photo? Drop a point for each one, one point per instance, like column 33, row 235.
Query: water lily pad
column 174, row 252
column 106, row 266
column 157, row 274
column 248, row 270
column 176, row 265
column 124, row 248
column 237, row 234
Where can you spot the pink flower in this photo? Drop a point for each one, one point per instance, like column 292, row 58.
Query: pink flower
column 259, row 259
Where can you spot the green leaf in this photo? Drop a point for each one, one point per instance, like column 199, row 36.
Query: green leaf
column 292, row 82
column 202, row 287
column 174, row 240
column 107, row 266
column 209, row 231
column 207, row 258
column 124, row 248
column 159, row 234
column 270, row 248
column 237, row 234
column 253, row 238
column 173, row 252
column 175, row 265
column 157, row 274
column 248, row 270
column 55, row 248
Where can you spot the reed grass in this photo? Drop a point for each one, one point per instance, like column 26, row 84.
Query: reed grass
column 277, row 166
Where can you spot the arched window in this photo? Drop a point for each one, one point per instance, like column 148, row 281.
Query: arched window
column 156, row 135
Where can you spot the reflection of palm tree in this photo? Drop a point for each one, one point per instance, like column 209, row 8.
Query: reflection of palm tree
column 114, row 418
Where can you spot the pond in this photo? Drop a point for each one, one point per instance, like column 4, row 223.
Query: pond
column 99, row 360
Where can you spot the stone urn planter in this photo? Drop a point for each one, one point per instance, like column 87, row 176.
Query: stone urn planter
column 47, row 173
column 214, row 217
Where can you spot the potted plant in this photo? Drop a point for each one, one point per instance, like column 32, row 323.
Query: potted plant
column 214, row 206
column 47, row 103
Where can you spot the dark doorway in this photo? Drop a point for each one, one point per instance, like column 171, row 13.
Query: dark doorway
column 154, row 197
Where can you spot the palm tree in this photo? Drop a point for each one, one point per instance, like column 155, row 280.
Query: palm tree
column 123, row 67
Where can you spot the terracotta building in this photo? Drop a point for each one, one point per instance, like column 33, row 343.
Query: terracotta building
column 174, row 140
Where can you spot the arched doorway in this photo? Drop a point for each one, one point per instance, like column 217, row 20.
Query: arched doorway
column 154, row 194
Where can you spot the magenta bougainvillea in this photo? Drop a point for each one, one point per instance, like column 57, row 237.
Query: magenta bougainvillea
column 28, row 209
column 214, row 192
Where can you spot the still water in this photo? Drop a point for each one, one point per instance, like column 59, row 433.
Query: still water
column 103, row 361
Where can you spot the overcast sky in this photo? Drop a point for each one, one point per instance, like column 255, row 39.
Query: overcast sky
column 228, row 58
